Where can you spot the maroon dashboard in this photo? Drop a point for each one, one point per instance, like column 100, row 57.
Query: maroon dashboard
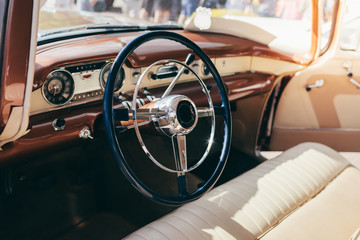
column 57, row 123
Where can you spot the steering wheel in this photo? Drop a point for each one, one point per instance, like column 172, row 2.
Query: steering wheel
column 174, row 116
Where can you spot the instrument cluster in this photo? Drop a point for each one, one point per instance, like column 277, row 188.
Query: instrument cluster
column 79, row 82
column 70, row 85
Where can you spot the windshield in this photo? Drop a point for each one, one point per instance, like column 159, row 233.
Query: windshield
column 350, row 36
column 284, row 23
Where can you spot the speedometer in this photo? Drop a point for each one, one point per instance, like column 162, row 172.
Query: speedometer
column 105, row 73
column 58, row 87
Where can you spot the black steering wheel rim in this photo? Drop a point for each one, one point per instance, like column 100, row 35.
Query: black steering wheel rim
column 110, row 127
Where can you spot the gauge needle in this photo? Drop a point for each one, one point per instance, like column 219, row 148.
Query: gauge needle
column 56, row 89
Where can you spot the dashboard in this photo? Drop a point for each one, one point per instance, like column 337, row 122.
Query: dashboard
column 70, row 76
column 71, row 85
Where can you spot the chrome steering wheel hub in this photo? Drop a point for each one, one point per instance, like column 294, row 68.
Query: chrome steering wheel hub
column 181, row 115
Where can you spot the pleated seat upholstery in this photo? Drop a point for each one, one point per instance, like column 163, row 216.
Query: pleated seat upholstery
column 308, row 192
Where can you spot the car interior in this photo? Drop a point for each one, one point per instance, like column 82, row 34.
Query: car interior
column 231, row 126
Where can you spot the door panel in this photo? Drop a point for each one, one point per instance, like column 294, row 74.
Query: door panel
column 322, row 102
column 329, row 114
column 344, row 108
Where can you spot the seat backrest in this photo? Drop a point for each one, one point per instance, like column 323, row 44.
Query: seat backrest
column 252, row 204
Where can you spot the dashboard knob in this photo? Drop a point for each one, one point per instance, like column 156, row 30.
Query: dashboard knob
column 59, row 124
column 85, row 133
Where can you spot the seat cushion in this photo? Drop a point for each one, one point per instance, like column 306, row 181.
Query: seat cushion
column 257, row 203
column 333, row 214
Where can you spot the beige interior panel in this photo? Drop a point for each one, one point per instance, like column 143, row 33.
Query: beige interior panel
column 291, row 111
column 331, row 108
column 316, row 108
column 345, row 106
column 277, row 67
column 11, row 129
column 232, row 65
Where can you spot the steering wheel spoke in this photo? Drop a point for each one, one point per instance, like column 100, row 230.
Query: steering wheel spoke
column 180, row 156
column 143, row 116
column 208, row 112
column 189, row 59
column 205, row 112
column 182, row 184
column 148, row 114
column 180, row 153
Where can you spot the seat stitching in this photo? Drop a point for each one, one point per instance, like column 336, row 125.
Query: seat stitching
column 251, row 202
column 137, row 234
column 290, row 183
column 275, row 192
column 295, row 173
column 314, row 169
column 270, row 179
column 183, row 209
column 267, row 195
column 267, row 206
column 292, row 212
column 234, row 205
column 325, row 160
column 214, row 214
column 161, row 233
column 173, row 226
column 189, row 224
column 250, row 218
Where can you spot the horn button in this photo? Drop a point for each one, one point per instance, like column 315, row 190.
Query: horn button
column 181, row 115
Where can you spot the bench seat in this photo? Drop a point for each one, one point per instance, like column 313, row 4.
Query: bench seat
column 308, row 192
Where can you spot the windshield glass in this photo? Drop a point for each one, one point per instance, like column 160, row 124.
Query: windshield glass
column 350, row 36
column 284, row 23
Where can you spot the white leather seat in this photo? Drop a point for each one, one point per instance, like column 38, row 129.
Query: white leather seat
column 308, row 192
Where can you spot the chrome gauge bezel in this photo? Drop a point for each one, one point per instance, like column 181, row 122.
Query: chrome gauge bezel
column 45, row 84
column 121, row 74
